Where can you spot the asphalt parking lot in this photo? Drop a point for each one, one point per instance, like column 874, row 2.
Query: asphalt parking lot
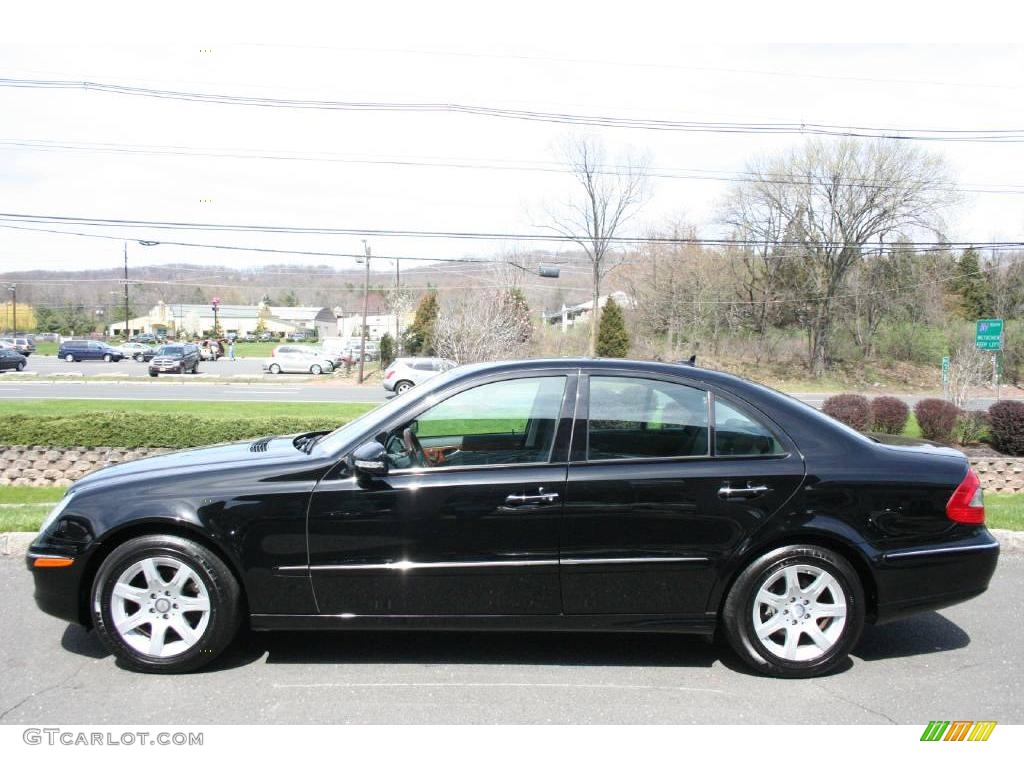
column 48, row 365
column 961, row 663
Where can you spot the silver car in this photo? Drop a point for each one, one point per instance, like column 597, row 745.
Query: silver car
column 406, row 372
column 293, row 358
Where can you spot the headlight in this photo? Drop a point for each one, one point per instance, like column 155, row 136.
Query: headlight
column 55, row 512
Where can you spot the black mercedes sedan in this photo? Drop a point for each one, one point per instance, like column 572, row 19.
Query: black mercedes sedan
column 588, row 495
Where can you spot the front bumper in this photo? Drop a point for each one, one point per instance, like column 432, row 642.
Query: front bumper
column 175, row 368
column 58, row 591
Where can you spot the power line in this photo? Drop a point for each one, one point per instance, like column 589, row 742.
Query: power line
column 993, row 135
column 452, row 235
column 479, row 165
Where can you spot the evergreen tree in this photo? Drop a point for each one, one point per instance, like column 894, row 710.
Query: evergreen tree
column 419, row 337
column 612, row 336
column 387, row 349
column 972, row 287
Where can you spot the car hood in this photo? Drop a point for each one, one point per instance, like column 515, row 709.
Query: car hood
column 240, row 454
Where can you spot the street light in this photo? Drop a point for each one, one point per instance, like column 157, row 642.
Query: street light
column 13, row 288
column 366, row 297
column 216, row 305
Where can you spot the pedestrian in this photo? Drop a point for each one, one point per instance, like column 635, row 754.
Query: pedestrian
column 231, row 349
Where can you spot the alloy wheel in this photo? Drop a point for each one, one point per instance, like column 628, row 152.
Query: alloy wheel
column 160, row 607
column 799, row 612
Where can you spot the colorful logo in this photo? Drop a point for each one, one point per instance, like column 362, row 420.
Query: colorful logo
column 958, row 730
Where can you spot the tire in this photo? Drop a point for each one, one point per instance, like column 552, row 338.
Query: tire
column 195, row 368
column 179, row 640
column 21, row 366
column 274, row 368
column 108, row 359
column 69, row 358
column 316, row 370
column 402, row 387
column 138, row 358
column 154, row 374
column 835, row 617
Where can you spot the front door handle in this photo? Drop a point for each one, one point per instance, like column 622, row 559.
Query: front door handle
column 728, row 493
column 519, row 500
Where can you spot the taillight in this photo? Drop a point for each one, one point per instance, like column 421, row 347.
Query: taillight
column 389, row 374
column 967, row 504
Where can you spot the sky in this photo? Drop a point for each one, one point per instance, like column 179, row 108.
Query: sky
column 72, row 152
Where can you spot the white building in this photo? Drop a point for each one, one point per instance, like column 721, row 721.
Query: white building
column 569, row 316
column 198, row 319
column 377, row 325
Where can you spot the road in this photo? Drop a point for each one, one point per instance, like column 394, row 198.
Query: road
column 962, row 662
column 48, row 365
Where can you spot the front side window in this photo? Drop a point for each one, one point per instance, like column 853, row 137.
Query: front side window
column 645, row 418
column 505, row 422
column 736, row 434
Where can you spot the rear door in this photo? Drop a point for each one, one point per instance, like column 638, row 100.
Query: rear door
column 664, row 482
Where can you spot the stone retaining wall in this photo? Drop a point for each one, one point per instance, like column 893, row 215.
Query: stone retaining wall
column 43, row 466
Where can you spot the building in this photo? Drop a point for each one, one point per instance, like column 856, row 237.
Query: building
column 568, row 316
column 198, row 320
column 377, row 325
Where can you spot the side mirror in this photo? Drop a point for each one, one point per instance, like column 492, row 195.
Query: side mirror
column 371, row 459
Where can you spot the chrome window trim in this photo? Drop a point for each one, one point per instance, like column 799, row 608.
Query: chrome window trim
column 939, row 550
column 409, row 565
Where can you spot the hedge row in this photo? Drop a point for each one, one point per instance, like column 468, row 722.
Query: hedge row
column 134, row 430
column 883, row 414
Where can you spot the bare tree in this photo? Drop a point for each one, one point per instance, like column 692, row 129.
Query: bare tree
column 833, row 201
column 607, row 197
column 481, row 325
column 969, row 367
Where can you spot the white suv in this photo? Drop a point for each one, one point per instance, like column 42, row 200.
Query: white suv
column 406, row 372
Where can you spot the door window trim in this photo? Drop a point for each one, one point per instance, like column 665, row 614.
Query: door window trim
column 581, row 424
column 564, row 421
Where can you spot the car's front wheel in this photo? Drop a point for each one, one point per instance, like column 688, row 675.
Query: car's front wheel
column 69, row 358
column 316, row 370
column 21, row 366
column 165, row 604
column 275, row 368
column 796, row 611
column 138, row 358
column 108, row 358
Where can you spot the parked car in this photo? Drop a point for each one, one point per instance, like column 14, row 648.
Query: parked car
column 300, row 336
column 135, row 350
column 699, row 503
column 247, row 337
column 12, row 359
column 175, row 358
column 49, row 337
column 265, row 336
column 404, row 373
column 77, row 350
column 289, row 358
column 23, row 344
column 146, row 338
column 338, row 358
column 211, row 350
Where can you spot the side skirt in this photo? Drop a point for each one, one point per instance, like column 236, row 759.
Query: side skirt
column 693, row 625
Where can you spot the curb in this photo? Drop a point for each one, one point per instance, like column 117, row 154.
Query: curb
column 16, row 543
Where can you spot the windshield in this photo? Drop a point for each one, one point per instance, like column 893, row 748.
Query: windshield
column 170, row 351
column 339, row 438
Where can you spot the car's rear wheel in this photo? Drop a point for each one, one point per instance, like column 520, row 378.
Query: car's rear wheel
column 69, row 358
column 165, row 604
column 138, row 358
column 154, row 374
column 796, row 611
column 275, row 368
column 316, row 370
column 402, row 386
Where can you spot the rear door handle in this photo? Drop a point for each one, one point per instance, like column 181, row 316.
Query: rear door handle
column 728, row 493
column 519, row 500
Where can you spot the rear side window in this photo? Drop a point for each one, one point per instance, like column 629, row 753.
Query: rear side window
column 737, row 434
column 644, row 418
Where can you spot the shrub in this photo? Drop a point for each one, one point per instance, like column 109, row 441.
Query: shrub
column 853, row 410
column 937, row 418
column 1006, row 425
column 889, row 415
column 148, row 430
column 911, row 342
column 971, row 427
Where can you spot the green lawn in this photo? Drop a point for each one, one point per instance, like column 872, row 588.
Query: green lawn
column 214, row 410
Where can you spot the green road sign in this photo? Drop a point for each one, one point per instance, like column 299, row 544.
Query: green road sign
column 989, row 335
column 945, row 370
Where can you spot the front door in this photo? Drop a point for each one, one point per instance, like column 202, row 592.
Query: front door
column 664, row 483
column 467, row 520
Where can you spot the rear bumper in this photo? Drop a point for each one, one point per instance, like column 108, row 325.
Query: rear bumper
column 926, row 578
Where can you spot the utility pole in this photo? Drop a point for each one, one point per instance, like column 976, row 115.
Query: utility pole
column 366, row 298
column 127, row 332
column 13, row 288
column 398, row 311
